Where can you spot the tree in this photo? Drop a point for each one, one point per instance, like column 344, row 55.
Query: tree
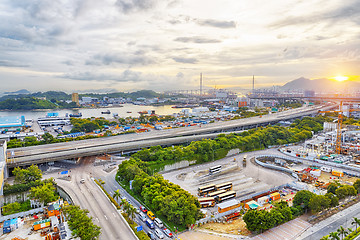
column 27, row 175
column 334, row 236
column 117, row 195
column 44, row 193
column 342, row 231
column 327, row 237
column 357, row 185
column 334, row 200
column 332, row 187
column 356, row 222
column 318, row 203
column 81, row 225
column 302, row 198
column 48, row 138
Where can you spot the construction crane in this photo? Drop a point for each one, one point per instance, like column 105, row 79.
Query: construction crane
column 338, row 147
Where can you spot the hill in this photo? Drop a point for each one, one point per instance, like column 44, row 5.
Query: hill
column 320, row 85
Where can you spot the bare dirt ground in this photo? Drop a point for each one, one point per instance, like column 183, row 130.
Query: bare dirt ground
column 235, row 227
column 194, row 235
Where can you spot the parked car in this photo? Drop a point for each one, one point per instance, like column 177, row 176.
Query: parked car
column 168, row 233
column 159, row 234
column 143, row 209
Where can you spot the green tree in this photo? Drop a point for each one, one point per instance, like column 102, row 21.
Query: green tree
column 357, row 185
column 342, row 231
column 44, row 193
column 334, row 200
column 356, row 222
column 48, row 138
column 11, row 208
column 302, row 198
column 81, row 225
column 334, row 236
column 332, row 187
column 117, row 195
column 318, row 203
column 30, row 174
column 327, row 237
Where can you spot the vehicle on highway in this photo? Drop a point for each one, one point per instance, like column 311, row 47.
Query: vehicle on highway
column 158, row 223
column 151, row 215
column 143, row 217
column 143, row 209
column 82, row 181
column 159, row 234
column 137, row 210
column 151, row 235
column 150, row 223
column 168, row 232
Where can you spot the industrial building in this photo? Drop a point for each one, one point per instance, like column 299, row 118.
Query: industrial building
column 12, row 122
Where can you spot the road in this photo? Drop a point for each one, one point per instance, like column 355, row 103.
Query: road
column 111, row 186
column 51, row 152
column 89, row 196
column 331, row 224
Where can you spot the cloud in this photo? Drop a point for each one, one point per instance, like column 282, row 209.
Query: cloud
column 127, row 6
column 138, row 58
column 5, row 63
column 344, row 13
column 125, row 76
column 184, row 60
column 216, row 23
column 196, row 40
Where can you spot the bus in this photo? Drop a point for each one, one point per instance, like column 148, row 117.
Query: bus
column 213, row 194
column 224, row 186
column 203, row 191
column 215, row 169
column 206, row 202
column 225, row 196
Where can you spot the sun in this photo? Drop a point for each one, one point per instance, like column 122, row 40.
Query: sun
column 340, row 78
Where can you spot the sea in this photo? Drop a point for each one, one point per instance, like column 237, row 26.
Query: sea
column 128, row 110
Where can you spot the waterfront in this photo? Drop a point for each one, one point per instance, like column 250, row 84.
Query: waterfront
column 95, row 112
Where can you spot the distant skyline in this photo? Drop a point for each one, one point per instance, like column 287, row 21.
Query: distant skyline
column 130, row 45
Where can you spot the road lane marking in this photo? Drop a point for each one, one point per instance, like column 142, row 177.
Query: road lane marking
column 105, row 217
column 97, row 219
column 114, row 214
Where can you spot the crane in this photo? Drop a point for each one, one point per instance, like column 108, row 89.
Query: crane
column 338, row 147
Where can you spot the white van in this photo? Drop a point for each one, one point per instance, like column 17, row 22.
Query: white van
column 142, row 216
column 159, row 233
column 158, row 222
column 82, row 181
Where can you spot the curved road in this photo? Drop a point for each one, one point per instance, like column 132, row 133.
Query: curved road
column 89, row 196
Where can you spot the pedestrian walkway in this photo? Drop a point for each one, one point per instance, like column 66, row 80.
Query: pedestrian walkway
column 288, row 230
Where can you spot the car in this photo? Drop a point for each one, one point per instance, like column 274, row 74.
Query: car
column 143, row 217
column 137, row 210
column 151, row 235
column 168, row 232
column 143, row 209
column 150, row 223
column 159, row 234
column 82, row 181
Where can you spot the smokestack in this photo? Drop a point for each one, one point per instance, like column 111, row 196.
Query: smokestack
column 200, row 84
column 253, row 87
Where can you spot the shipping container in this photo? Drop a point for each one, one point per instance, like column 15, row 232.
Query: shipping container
column 228, row 205
column 41, row 224
column 337, row 173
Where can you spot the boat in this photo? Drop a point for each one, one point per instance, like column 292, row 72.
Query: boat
column 143, row 112
column 128, row 112
column 106, row 112
column 75, row 115
column 115, row 114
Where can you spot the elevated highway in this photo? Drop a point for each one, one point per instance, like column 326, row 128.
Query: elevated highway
column 128, row 142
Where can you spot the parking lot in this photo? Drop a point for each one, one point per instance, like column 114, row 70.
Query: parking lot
column 246, row 180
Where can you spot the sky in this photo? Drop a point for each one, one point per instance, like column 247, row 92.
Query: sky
column 129, row 45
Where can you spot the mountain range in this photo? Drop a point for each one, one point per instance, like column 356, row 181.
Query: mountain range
column 321, row 85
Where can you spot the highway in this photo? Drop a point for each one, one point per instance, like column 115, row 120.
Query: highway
column 127, row 142
column 89, row 196
column 111, row 186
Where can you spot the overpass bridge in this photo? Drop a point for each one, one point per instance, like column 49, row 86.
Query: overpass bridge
column 67, row 150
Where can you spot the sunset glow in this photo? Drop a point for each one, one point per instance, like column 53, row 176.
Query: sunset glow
column 340, row 78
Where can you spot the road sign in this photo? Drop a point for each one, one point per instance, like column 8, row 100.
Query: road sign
column 64, row 172
column 139, row 228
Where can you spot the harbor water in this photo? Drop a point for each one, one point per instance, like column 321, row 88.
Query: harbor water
column 128, row 110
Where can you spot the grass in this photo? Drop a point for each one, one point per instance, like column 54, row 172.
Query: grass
column 141, row 234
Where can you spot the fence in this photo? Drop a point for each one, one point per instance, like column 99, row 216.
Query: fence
column 22, row 214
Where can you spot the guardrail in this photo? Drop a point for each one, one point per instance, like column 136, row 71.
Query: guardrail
column 318, row 163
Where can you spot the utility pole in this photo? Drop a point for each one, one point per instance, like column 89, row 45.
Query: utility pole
column 253, row 84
